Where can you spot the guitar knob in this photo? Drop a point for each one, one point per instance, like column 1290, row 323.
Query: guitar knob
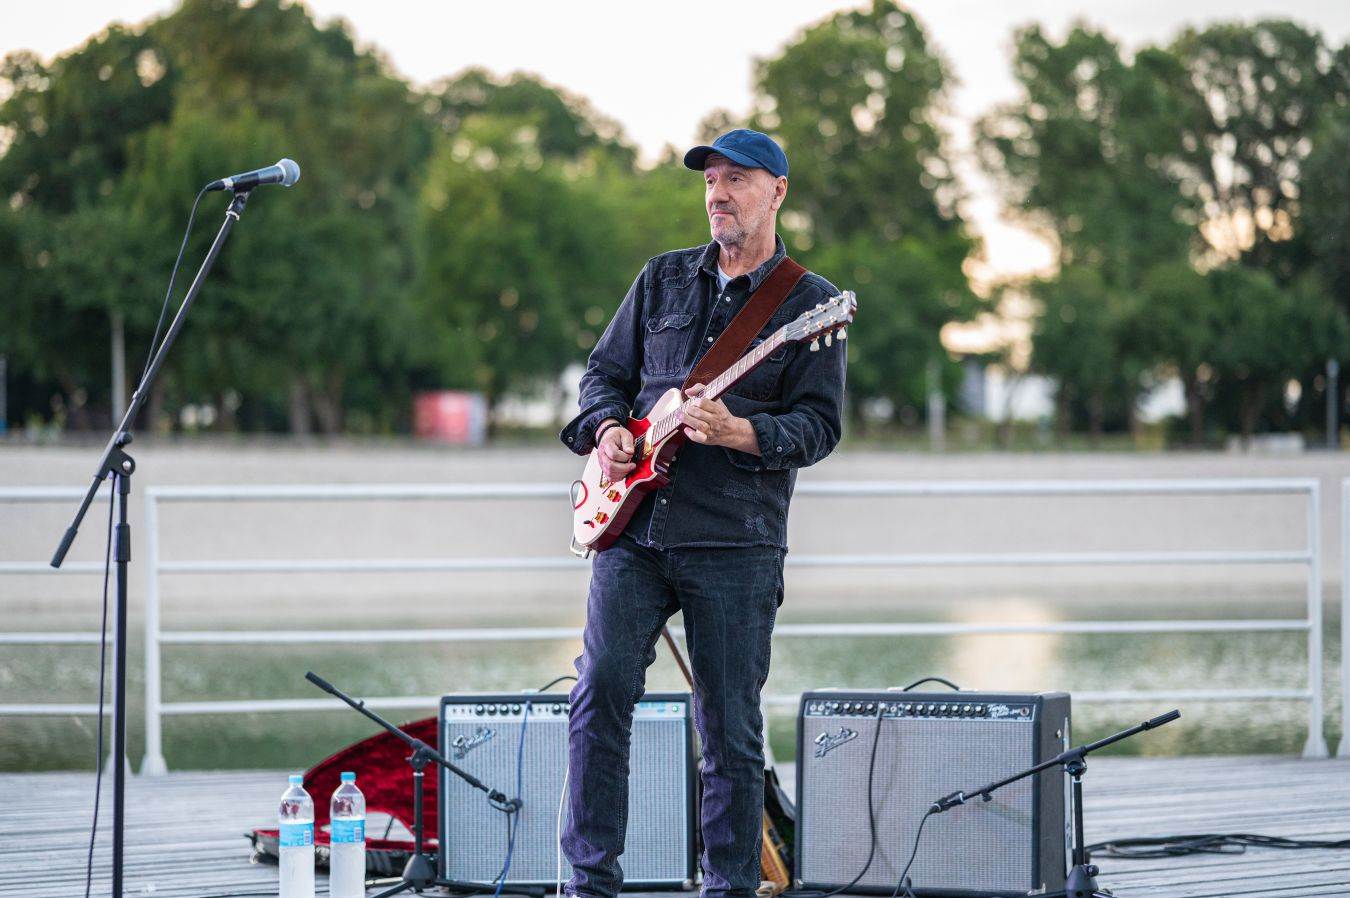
column 829, row 339
column 843, row 333
column 815, row 345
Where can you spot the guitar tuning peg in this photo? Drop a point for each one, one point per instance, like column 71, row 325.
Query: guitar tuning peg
column 829, row 338
column 843, row 333
column 815, row 345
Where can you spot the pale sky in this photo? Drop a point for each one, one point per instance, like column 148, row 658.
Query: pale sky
column 658, row 68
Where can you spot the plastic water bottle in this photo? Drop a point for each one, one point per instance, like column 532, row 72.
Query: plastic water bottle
column 296, row 820
column 347, row 856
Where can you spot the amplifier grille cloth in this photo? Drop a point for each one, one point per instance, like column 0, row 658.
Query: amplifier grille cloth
column 980, row 845
column 656, row 846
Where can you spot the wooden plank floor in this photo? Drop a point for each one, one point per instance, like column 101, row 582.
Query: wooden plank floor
column 185, row 831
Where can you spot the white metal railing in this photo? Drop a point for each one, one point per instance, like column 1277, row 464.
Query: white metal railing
column 42, row 494
column 1309, row 557
column 1343, row 751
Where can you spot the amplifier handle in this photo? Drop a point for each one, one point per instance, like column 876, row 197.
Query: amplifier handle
column 941, row 680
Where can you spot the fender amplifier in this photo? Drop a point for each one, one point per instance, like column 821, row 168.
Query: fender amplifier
column 481, row 734
column 929, row 745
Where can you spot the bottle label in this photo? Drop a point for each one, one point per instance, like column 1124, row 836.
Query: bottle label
column 297, row 835
column 348, row 831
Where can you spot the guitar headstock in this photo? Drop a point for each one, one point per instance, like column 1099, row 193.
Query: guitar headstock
column 826, row 318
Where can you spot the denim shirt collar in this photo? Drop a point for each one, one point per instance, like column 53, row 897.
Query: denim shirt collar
column 708, row 262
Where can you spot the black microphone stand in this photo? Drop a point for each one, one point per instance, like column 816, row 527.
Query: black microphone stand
column 420, row 871
column 1082, row 879
column 115, row 463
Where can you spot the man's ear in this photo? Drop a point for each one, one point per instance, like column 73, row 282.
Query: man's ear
column 779, row 192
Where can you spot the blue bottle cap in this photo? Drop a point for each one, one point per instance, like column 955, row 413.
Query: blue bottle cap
column 348, row 776
column 296, row 779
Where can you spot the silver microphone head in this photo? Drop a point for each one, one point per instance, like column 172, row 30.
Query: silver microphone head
column 290, row 172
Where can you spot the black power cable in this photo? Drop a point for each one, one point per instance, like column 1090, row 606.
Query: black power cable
column 905, row 882
column 871, row 825
column 1205, row 843
column 164, row 308
column 102, row 670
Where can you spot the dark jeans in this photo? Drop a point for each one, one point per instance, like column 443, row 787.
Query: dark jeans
column 729, row 598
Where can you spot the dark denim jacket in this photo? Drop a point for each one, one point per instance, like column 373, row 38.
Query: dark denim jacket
column 716, row 496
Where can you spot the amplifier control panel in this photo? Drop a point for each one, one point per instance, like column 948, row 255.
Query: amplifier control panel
column 948, row 709
column 550, row 706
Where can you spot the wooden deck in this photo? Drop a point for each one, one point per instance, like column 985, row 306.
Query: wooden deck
column 185, row 831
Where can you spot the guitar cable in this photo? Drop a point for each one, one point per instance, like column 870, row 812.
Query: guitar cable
column 871, row 824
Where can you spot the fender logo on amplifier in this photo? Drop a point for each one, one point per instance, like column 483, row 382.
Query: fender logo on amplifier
column 465, row 744
column 825, row 743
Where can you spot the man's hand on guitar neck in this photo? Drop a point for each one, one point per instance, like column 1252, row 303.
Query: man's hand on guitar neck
column 616, row 450
column 710, row 422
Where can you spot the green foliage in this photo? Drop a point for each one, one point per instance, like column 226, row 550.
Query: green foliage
column 1143, row 169
column 871, row 199
column 481, row 232
column 855, row 101
column 1266, row 87
column 1325, row 204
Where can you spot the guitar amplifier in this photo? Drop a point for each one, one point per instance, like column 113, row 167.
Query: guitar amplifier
column 481, row 734
column 929, row 745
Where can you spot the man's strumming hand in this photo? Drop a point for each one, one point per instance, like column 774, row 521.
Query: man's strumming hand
column 616, row 451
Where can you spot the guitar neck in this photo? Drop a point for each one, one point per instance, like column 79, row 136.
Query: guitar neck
column 664, row 427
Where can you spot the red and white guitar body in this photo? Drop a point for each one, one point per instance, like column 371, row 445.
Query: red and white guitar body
column 602, row 508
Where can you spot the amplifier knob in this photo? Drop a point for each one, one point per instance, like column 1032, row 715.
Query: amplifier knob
column 966, row 709
column 503, row 708
column 981, row 710
column 909, row 709
column 557, row 709
column 871, row 706
column 492, row 709
column 515, row 709
column 834, row 706
column 478, row 709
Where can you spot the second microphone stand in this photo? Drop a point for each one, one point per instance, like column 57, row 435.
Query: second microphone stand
column 1082, row 879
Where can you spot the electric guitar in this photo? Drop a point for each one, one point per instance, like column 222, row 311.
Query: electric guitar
column 601, row 508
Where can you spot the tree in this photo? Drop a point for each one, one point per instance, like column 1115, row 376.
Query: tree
column 872, row 201
column 1266, row 88
column 1079, row 338
column 1093, row 151
column 1178, row 330
column 307, row 307
column 1093, row 155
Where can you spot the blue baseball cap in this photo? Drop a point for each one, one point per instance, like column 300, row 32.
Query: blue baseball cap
column 743, row 147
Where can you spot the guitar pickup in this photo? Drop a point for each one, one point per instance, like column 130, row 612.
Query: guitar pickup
column 601, row 517
column 613, row 495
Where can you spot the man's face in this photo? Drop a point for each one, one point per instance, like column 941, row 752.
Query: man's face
column 740, row 201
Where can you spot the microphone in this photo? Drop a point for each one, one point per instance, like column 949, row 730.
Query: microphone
column 285, row 173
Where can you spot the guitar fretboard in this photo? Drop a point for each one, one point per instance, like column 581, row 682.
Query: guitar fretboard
column 668, row 424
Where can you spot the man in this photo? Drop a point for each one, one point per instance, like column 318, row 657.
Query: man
column 711, row 542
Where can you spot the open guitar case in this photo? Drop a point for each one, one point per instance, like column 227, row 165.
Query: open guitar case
column 380, row 764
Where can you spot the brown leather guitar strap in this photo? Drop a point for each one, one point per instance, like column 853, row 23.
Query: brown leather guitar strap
column 736, row 339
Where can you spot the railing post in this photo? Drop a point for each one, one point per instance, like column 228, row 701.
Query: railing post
column 1316, row 746
column 153, row 764
column 1344, row 750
